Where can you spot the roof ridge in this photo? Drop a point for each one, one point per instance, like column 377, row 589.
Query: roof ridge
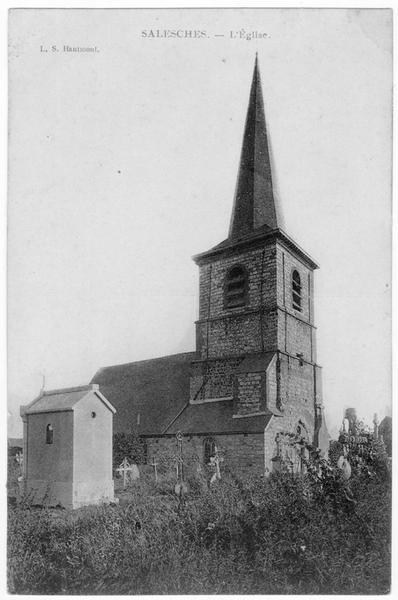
column 146, row 360
column 79, row 388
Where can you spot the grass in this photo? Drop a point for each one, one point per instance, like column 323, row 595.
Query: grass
column 284, row 534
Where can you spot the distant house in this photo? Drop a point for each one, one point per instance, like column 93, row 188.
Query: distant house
column 15, row 446
column 68, row 447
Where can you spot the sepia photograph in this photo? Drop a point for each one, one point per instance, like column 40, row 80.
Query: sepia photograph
column 199, row 301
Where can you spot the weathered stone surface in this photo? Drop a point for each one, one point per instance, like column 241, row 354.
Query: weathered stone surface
column 255, row 336
column 242, row 454
column 290, row 385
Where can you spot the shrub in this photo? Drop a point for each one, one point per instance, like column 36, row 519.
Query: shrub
column 309, row 533
column 128, row 446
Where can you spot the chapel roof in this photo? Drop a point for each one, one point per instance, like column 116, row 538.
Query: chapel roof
column 64, row 399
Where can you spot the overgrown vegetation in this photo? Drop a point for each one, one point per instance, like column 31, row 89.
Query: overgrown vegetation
column 311, row 533
column 128, row 446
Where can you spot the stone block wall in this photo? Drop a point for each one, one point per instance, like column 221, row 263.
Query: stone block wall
column 297, row 388
column 213, row 379
column 242, row 333
column 261, row 267
column 222, row 331
column 298, row 336
column 297, row 391
column 249, row 393
column 243, row 454
column 268, row 321
column 286, row 264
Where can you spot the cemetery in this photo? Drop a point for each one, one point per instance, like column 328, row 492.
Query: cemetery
column 178, row 526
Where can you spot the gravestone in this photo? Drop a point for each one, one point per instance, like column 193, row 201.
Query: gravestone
column 128, row 471
column 215, row 464
column 344, row 466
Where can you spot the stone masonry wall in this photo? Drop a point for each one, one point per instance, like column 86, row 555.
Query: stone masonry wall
column 296, row 383
column 268, row 322
column 222, row 331
column 295, row 331
column 286, row 264
column 213, row 379
column 261, row 266
column 298, row 337
column 243, row 454
column 297, row 403
column 238, row 334
column 250, row 392
column 258, row 326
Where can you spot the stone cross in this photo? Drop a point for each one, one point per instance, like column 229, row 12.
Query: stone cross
column 215, row 463
column 124, row 469
column 154, row 464
column 180, row 461
column 180, row 487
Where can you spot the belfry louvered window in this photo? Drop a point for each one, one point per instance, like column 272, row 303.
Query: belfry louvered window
column 296, row 290
column 235, row 288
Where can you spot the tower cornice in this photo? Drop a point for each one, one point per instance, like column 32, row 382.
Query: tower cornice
column 257, row 239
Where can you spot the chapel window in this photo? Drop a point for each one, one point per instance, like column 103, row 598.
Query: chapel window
column 209, row 450
column 235, row 287
column 49, row 434
column 296, row 290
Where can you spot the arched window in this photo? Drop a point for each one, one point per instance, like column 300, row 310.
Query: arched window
column 49, row 434
column 209, row 450
column 235, row 287
column 296, row 290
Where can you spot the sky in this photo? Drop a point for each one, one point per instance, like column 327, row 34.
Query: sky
column 123, row 164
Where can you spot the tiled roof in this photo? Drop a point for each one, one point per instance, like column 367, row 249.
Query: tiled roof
column 216, row 417
column 57, row 400
column 147, row 394
column 255, row 363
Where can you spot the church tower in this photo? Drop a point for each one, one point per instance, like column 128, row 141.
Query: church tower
column 255, row 336
column 253, row 384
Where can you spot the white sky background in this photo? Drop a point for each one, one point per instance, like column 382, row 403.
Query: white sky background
column 123, row 164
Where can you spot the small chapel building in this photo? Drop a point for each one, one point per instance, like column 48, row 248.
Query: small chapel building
column 68, row 447
column 253, row 380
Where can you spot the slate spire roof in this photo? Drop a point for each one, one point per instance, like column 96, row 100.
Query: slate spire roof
column 254, row 203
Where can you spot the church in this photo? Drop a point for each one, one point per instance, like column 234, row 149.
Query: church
column 253, row 380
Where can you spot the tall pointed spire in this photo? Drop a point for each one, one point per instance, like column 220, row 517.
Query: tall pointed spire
column 254, row 204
